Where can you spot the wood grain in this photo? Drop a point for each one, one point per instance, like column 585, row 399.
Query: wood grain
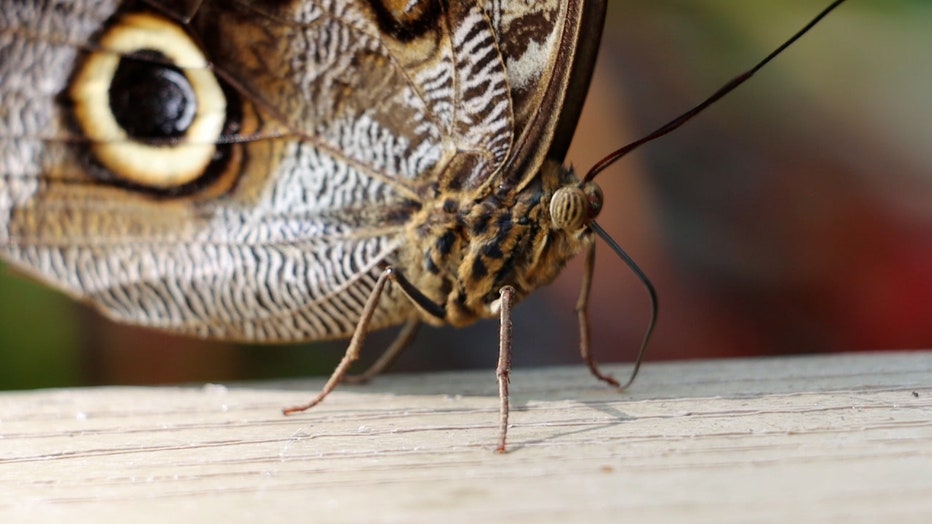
column 828, row 438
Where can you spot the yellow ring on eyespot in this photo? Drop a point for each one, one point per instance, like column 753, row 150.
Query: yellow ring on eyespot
column 159, row 167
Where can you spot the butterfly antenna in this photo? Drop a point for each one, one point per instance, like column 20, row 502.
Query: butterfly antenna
column 661, row 131
column 724, row 90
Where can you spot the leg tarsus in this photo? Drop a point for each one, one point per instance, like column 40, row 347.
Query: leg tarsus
column 354, row 347
column 582, row 312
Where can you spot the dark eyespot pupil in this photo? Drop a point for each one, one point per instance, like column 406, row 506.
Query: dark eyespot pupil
column 151, row 99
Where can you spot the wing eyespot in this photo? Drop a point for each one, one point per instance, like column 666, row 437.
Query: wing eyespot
column 154, row 112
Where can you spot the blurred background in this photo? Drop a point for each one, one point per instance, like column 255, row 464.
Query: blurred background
column 795, row 216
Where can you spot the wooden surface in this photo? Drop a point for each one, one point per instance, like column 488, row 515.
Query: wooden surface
column 834, row 438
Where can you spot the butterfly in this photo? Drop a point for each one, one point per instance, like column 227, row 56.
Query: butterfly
column 258, row 171
column 299, row 170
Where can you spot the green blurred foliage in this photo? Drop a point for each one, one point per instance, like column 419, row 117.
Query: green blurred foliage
column 40, row 339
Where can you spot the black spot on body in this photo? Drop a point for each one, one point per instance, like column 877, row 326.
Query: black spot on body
column 445, row 243
column 492, row 251
column 482, row 224
column 506, row 272
column 479, row 270
column 460, row 306
column 504, row 225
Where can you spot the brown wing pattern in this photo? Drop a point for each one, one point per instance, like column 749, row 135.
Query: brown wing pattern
column 335, row 126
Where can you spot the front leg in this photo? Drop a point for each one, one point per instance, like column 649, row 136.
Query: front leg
column 503, row 371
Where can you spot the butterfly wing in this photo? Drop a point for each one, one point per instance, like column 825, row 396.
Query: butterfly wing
column 337, row 122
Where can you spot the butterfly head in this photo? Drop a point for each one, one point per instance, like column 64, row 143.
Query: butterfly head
column 573, row 207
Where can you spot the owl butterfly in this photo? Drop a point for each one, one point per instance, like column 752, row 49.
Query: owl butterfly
column 283, row 171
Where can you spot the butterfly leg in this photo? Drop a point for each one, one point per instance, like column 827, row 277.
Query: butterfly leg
column 355, row 344
column 503, row 371
column 402, row 341
column 582, row 311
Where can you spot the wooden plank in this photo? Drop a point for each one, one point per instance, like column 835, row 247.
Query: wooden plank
column 843, row 437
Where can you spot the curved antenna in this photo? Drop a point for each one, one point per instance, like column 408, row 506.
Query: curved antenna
column 654, row 308
column 724, row 90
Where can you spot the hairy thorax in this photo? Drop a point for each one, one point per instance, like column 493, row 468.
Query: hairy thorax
column 464, row 249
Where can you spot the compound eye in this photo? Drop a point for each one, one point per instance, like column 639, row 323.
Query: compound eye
column 572, row 207
column 149, row 104
column 595, row 198
column 568, row 208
